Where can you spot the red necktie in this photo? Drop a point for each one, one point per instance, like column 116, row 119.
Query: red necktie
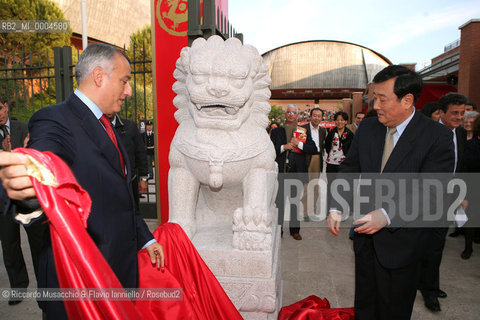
column 108, row 126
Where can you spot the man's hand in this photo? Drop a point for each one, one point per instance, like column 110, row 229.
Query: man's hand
column 334, row 220
column 25, row 142
column 288, row 146
column 294, row 141
column 142, row 187
column 6, row 145
column 155, row 251
column 371, row 222
column 14, row 176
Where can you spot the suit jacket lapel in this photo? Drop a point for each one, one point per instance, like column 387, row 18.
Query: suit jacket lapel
column 94, row 129
column 376, row 147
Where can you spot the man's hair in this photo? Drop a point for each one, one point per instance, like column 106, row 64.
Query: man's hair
column 474, row 106
column 292, row 106
column 96, row 55
column 316, row 109
column 341, row 113
column 406, row 81
column 359, row 112
column 451, row 98
column 3, row 99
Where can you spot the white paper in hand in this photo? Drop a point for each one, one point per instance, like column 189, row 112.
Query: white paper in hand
column 460, row 217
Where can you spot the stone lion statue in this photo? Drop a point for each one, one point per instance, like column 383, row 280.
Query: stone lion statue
column 222, row 162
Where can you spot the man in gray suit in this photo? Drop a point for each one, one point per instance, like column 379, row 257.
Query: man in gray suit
column 14, row 134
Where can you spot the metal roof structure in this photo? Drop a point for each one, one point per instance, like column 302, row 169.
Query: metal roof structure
column 321, row 69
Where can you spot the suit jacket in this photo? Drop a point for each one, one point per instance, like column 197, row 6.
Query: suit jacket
column 71, row 131
column 149, row 142
column 18, row 133
column 461, row 136
column 297, row 161
column 133, row 143
column 424, row 147
column 345, row 140
column 321, row 138
column 351, row 127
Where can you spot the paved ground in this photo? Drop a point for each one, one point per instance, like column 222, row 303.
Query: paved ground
column 322, row 265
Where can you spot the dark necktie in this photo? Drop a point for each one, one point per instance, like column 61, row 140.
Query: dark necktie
column 4, row 130
column 5, row 134
column 108, row 127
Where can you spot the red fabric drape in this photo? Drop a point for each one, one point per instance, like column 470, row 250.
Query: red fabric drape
column 203, row 297
column 315, row 308
column 80, row 264
column 78, row 261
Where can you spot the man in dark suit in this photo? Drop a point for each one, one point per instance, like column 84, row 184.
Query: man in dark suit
column 452, row 111
column 133, row 143
column 78, row 131
column 399, row 140
column 359, row 116
column 292, row 164
column 315, row 160
column 149, row 139
column 14, row 134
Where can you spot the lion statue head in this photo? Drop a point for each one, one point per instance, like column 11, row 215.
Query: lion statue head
column 221, row 84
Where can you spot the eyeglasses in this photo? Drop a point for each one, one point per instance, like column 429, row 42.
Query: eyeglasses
column 291, row 112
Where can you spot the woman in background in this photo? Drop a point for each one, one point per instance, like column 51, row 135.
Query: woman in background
column 272, row 126
column 338, row 142
column 468, row 123
column 432, row 110
column 471, row 164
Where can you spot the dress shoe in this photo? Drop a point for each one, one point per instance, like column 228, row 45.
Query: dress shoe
column 441, row 294
column 432, row 303
column 13, row 302
column 466, row 254
column 454, row 234
column 297, row 236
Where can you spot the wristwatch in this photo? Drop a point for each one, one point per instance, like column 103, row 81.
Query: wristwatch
column 144, row 178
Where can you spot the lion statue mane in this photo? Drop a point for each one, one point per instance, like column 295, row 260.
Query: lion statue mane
column 222, row 162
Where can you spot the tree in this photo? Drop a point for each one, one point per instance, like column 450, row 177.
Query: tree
column 18, row 43
column 140, row 54
column 23, row 55
column 277, row 114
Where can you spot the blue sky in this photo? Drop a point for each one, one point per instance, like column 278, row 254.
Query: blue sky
column 404, row 31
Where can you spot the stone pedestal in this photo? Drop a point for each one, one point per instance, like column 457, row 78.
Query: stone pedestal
column 251, row 279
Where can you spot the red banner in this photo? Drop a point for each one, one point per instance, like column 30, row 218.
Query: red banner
column 170, row 36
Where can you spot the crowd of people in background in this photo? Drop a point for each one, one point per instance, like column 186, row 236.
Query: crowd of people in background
column 332, row 146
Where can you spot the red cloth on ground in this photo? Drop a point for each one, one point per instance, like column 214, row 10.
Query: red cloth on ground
column 203, row 297
column 80, row 264
column 315, row 308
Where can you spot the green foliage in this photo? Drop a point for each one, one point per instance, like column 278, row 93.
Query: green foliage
column 18, row 43
column 23, row 108
column 277, row 114
column 23, row 55
column 140, row 105
column 141, row 41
